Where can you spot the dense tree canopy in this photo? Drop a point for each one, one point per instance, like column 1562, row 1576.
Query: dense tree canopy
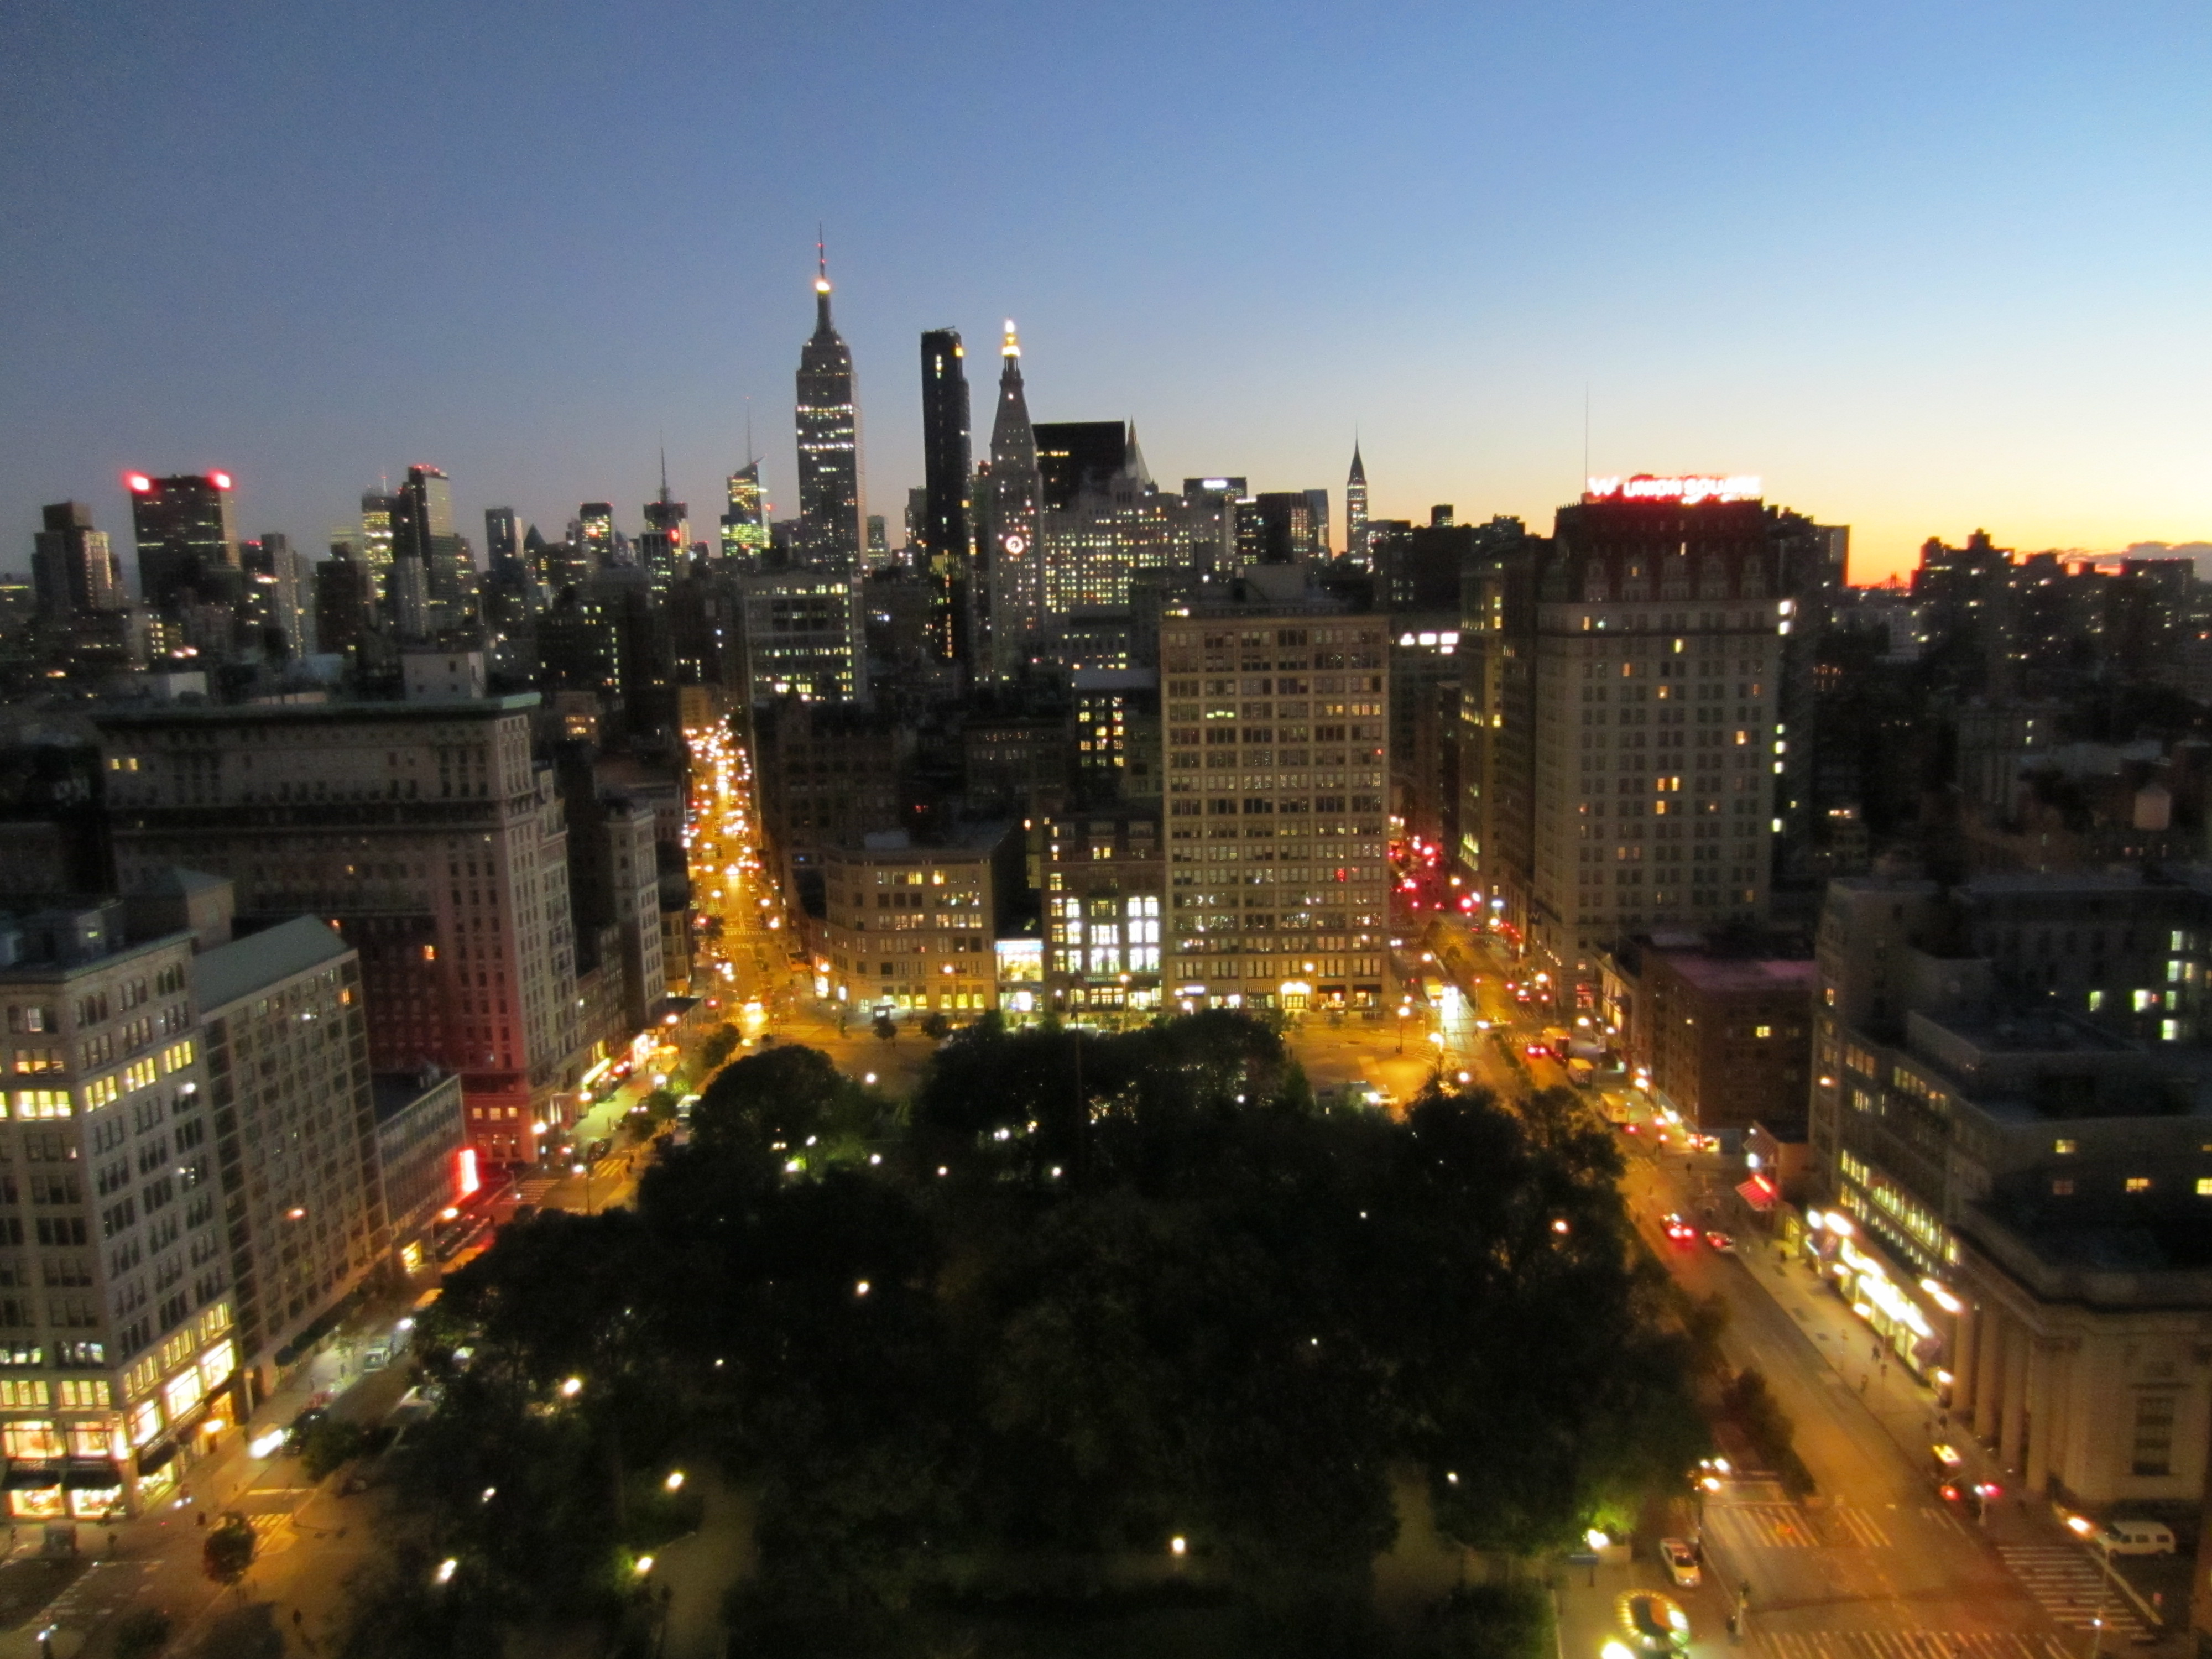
column 1086, row 1294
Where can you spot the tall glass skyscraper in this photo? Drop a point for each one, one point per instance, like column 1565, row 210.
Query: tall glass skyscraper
column 828, row 423
column 744, row 526
column 946, row 539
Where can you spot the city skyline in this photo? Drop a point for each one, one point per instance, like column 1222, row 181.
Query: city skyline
column 1919, row 274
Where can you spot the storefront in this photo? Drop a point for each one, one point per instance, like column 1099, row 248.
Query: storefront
column 1890, row 1303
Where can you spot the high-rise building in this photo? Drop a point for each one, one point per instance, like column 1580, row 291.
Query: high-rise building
column 1355, row 511
column 346, row 601
column 72, row 567
column 947, row 537
column 425, row 832
column 187, row 549
column 666, row 543
column 117, row 1320
column 1077, row 456
column 1278, row 758
column 1013, row 556
column 1622, row 681
column 377, row 507
column 828, row 424
column 596, row 522
column 745, row 526
column 422, row 537
column 274, row 613
column 503, row 544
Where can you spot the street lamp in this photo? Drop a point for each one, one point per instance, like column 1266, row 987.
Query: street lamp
column 1405, row 1013
column 585, row 1170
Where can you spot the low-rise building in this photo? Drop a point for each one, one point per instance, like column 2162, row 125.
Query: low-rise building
column 422, row 1155
column 1723, row 1035
column 1105, row 885
column 913, row 928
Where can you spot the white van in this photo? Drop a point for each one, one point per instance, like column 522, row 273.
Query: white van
column 2126, row 1537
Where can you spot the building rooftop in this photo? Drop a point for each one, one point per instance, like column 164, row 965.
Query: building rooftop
column 393, row 1092
column 1724, row 975
column 229, row 972
column 477, row 708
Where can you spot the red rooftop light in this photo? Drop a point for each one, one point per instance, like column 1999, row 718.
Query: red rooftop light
column 220, row 480
column 137, row 483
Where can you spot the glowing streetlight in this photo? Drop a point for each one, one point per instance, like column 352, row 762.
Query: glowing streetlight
column 447, row 1569
column 572, row 1388
column 675, row 1481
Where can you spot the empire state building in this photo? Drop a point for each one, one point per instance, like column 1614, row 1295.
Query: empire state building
column 828, row 422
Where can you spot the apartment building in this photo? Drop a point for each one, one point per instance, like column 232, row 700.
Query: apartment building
column 1105, row 882
column 1276, row 764
column 427, row 833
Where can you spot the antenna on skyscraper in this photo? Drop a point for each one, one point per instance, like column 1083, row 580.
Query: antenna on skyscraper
column 749, row 431
column 1586, row 402
column 821, row 253
column 664, row 466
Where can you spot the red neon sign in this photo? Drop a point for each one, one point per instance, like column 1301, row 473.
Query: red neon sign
column 466, row 1179
column 1688, row 491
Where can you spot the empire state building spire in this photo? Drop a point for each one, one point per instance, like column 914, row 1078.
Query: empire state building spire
column 828, row 417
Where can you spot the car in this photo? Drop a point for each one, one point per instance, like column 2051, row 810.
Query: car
column 1536, row 1051
column 1654, row 1623
column 2133, row 1537
column 1681, row 1562
column 302, row 1426
column 1721, row 1242
column 1678, row 1230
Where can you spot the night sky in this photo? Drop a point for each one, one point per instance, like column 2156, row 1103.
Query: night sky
column 1921, row 267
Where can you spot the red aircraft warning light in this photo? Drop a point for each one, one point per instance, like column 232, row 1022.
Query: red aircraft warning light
column 137, row 483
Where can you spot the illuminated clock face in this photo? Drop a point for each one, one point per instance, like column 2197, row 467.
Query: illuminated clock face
column 1017, row 545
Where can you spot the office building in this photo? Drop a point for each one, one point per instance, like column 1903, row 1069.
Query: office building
column 803, row 635
column 187, row 548
column 118, row 1352
column 345, row 602
column 1721, row 1034
column 664, row 548
column 425, row 832
column 377, row 507
column 595, row 536
column 1008, row 499
column 73, row 570
column 503, row 546
column 1105, row 880
column 1278, row 758
column 1355, row 511
column 827, row 417
column 947, row 534
column 912, row 929
column 830, row 774
column 275, row 613
column 434, row 573
column 286, row 1054
column 744, row 523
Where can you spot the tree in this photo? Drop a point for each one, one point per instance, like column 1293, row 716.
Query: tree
column 885, row 1027
column 721, row 1043
column 228, row 1552
column 142, row 1633
column 329, row 1444
column 936, row 1025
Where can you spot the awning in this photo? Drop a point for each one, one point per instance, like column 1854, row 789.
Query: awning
column 33, row 1476
column 1757, row 1191
column 91, row 1476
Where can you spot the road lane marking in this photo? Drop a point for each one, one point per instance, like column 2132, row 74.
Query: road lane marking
column 1907, row 1644
column 2071, row 1587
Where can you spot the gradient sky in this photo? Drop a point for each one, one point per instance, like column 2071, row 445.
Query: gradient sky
column 1922, row 267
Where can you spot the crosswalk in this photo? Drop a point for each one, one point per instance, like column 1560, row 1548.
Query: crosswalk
column 1908, row 1644
column 532, row 1189
column 1788, row 1527
column 2072, row 1589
